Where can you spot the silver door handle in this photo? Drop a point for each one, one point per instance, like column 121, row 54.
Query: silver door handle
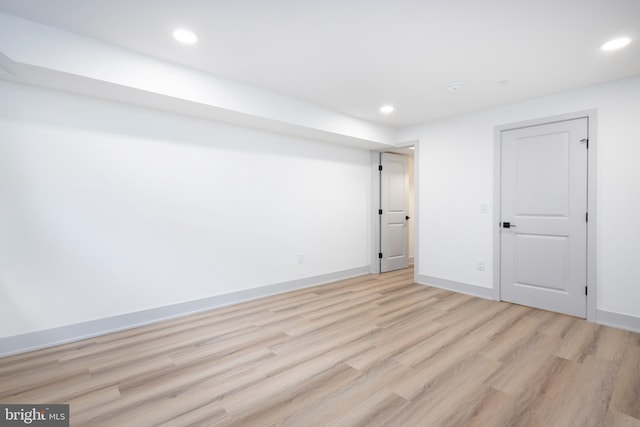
column 507, row 224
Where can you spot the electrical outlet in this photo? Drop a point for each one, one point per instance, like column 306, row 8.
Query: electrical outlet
column 480, row 265
column 300, row 258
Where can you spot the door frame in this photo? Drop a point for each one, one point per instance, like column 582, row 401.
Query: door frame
column 375, row 205
column 591, row 116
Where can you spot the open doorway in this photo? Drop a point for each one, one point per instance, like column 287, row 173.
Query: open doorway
column 396, row 206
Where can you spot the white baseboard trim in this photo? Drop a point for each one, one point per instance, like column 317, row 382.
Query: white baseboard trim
column 617, row 320
column 79, row 331
column 450, row 285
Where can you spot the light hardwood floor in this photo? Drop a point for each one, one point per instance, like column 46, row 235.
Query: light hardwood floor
column 374, row 350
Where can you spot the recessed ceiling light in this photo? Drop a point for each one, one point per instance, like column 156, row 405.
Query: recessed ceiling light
column 386, row 109
column 185, row 36
column 615, row 44
column 454, row 86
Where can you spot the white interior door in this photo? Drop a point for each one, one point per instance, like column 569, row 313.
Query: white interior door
column 394, row 204
column 543, row 252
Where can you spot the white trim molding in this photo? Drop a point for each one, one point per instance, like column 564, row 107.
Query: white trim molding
column 617, row 320
column 460, row 287
column 79, row 331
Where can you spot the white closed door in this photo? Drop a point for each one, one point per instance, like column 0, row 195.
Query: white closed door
column 543, row 242
column 394, row 204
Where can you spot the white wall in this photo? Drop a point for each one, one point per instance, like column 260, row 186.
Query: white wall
column 108, row 209
column 456, row 174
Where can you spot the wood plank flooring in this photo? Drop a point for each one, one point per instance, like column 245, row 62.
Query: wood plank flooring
column 376, row 350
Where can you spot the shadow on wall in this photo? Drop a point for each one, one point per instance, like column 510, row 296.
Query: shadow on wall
column 62, row 109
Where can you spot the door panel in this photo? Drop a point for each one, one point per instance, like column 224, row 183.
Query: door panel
column 542, row 261
column 544, row 200
column 394, row 201
column 543, row 176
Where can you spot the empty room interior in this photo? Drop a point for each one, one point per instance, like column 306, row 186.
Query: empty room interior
column 252, row 213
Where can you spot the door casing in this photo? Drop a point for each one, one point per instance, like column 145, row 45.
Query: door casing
column 591, row 116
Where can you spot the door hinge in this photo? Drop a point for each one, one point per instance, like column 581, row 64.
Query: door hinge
column 379, row 211
column 585, row 141
column 586, row 216
column 586, row 290
column 380, row 255
column 379, row 167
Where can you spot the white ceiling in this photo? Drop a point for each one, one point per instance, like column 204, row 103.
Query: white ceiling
column 353, row 56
